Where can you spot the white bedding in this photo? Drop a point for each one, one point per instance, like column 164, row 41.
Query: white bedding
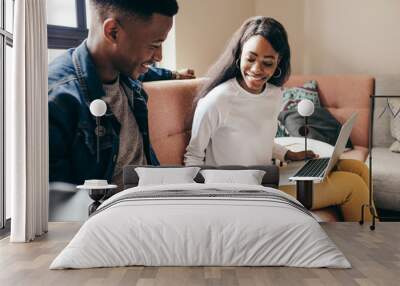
column 183, row 231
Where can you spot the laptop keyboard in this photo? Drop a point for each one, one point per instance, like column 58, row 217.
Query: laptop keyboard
column 313, row 168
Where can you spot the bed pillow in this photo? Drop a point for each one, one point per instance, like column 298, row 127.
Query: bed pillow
column 164, row 176
column 248, row 177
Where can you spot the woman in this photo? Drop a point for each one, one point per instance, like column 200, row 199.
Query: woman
column 235, row 120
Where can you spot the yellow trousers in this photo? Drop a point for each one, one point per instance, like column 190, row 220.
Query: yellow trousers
column 346, row 187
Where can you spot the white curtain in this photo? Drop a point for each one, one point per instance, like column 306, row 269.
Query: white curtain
column 27, row 123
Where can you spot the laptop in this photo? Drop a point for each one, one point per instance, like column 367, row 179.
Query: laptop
column 318, row 169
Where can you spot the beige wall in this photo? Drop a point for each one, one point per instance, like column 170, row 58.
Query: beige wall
column 203, row 28
column 352, row 36
column 290, row 13
column 326, row 37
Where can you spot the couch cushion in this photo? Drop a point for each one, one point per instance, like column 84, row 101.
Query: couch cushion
column 342, row 95
column 170, row 115
column 382, row 135
column 386, row 178
column 357, row 153
column 394, row 105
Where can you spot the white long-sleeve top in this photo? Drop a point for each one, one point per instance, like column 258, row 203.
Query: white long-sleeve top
column 232, row 126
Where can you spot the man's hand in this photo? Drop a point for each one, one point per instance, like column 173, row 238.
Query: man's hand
column 184, row 74
column 299, row 156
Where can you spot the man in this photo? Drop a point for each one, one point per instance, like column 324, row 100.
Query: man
column 124, row 42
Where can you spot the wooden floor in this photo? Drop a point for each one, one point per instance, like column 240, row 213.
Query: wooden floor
column 375, row 256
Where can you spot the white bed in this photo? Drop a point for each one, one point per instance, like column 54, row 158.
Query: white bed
column 248, row 225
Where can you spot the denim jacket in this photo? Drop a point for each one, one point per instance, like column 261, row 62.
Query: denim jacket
column 73, row 85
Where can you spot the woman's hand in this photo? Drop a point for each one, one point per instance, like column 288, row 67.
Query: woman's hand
column 299, row 156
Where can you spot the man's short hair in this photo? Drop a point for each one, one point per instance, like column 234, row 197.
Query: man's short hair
column 142, row 8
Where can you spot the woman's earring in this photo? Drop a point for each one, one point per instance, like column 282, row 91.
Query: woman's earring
column 280, row 73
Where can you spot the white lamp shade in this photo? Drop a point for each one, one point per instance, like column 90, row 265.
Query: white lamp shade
column 98, row 107
column 305, row 107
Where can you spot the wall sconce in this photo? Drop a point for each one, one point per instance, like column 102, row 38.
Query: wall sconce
column 305, row 108
column 98, row 108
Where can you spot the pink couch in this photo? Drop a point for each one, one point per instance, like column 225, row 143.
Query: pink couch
column 170, row 111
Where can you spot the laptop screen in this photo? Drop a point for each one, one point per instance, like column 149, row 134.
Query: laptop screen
column 340, row 145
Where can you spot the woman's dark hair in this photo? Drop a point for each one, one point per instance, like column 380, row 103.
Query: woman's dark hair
column 226, row 67
column 142, row 8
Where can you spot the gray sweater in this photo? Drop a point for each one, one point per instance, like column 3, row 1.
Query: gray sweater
column 131, row 150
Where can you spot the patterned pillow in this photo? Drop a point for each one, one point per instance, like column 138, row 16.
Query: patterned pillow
column 282, row 131
column 292, row 96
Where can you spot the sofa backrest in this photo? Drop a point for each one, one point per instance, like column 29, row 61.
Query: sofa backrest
column 382, row 134
column 384, row 85
column 342, row 95
column 170, row 116
column 170, row 109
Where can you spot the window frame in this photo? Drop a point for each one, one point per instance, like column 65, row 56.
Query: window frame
column 61, row 37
